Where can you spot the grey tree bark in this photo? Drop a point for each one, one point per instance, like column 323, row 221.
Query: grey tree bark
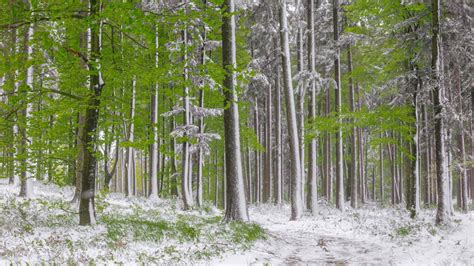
column 312, row 200
column 86, row 203
column 338, row 103
column 354, row 172
column 236, row 205
column 442, row 216
column 296, row 186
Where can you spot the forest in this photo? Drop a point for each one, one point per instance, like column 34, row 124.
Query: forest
column 236, row 132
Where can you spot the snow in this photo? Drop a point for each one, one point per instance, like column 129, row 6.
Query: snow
column 371, row 235
column 44, row 229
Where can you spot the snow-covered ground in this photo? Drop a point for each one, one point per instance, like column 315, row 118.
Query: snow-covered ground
column 370, row 235
column 137, row 230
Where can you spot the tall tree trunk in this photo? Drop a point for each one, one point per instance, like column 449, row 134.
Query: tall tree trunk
column 278, row 138
column 413, row 201
column 354, row 171
column 462, row 195
column 26, row 187
column 154, row 156
column 185, row 173
column 236, row 208
column 268, row 178
column 338, row 103
column 130, row 165
column 440, row 130
column 296, row 188
column 312, row 200
column 301, row 98
column 257, row 156
column 86, row 204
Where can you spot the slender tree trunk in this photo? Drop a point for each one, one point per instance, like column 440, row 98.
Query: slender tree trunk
column 236, row 208
column 268, row 177
column 296, row 188
column 278, row 144
column 338, row 103
column 257, row 160
column 301, row 100
column 26, row 187
column 354, row 137
column 130, row 166
column 312, row 200
column 154, row 156
column 381, row 168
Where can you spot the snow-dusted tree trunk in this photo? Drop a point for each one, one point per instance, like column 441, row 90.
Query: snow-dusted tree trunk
column 296, row 186
column 312, row 200
column 91, row 118
column 278, row 152
column 427, row 155
column 462, row 195
column 354, row 171
column 131, row 133
column 257, row 155
column 413, row 201
column 154, row 156
column 328, row 153
column 236, row 205
column 440, row 130
column 301, row 95
column 26, row 187
column 338, row 103
column 268, row 177
column 185, row 160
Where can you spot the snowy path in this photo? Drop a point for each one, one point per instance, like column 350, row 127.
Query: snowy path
column 341, row 239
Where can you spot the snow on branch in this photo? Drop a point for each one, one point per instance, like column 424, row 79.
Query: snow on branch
column 176, row 110
column 201, row 112
column 181, row 131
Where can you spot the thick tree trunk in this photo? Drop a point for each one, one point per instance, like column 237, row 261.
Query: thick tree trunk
column 185, row 160
column 296, row 186
column 442, row 216
column 86, row 203
column 236, row 205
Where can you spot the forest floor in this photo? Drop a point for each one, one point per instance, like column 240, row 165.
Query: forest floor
column 44, row 230
column 136, row 231
column 369, row 235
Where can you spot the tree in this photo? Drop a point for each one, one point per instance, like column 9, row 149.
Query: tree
column 86, row 203
column 442, row 216
column 296, row 186
column 236, row 203
column 313, row 149
column 338, row 103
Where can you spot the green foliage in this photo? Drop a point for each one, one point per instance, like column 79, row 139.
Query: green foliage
column 247, row 233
